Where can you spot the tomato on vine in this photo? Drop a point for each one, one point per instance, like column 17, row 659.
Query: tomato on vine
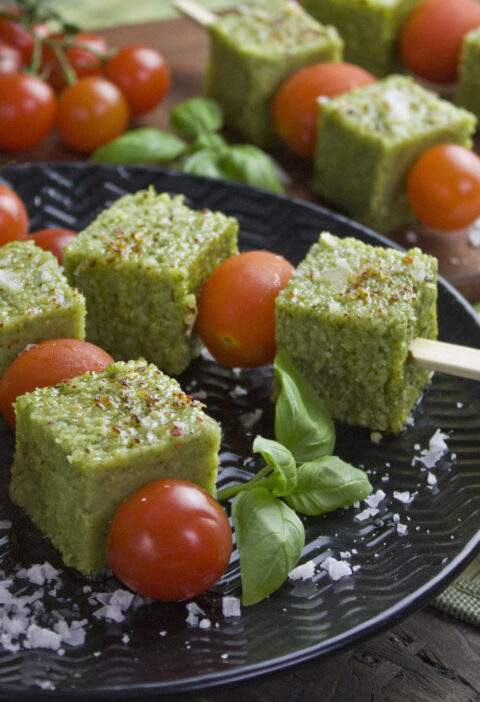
column 13, row 216
column 171, row 540
column 28, row 111
column 431, row 39
column 142, row 75
column 48, row 363
column 10, row 60
column 236, row 308
column 91, row 112
column 15, row 33
column 85, row 53
column 443, row 187
column 296, row 103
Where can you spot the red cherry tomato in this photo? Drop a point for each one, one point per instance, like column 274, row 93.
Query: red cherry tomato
column 443, row 187
column 236, row 308
column 48, row 363
column 13, row 216
column 431, row 39
column 17, row 35
column 10, row 60
column 171, row 540
column 91, row 112
column 53, row 240
column 296, row 103
column 82, row 61
column 28, row 109
column 142, row 75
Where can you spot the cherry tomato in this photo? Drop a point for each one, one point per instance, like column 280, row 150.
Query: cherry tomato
column 13, row 216
column 17, row 35
column 431, row 39
column 91, row 112
column 10, row 60
column 141, row 74
column 48, row 363
column 236, row 308
column 296, row 103
column 171, row 540
column 28, row 109
column 443, row 187
column 53, row 240
column 83, row 62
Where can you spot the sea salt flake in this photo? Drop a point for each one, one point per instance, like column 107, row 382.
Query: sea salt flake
column 374, row 500
column 401, row 529
column 194, row 613
column 305, row 571
column 431, row 478
column 436, row 448
column 366, row 514
column 204, row 623
column 231, row 606
column 238, row 391
column 406, row 497
column 39, row 637
column 336, row 569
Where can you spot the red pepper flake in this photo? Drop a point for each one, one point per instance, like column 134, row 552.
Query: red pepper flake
column 177, row 429
column 116, row 429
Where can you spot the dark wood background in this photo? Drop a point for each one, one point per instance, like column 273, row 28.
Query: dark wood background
column 429, row 657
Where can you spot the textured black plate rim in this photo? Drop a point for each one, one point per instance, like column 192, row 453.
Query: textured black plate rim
column 399, row 611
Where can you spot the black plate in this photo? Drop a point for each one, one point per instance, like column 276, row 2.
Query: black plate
column 398, row 574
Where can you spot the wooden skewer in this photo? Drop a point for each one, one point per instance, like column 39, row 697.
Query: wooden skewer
column 453, row 359
column 461, row 361
column 195, row 12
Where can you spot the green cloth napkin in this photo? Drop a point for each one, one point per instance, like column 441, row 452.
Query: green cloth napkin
column 462, row 598
column 97, row 14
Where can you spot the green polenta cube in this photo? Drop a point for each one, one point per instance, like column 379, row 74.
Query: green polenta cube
column 141, row 265
column 467, row 90
column 84, row 446
column 253, row 51
column 36, row 301
column 347, row 318
column 368, row 140
column 369, row 28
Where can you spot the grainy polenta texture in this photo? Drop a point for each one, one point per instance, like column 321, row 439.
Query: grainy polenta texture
column 82, row 447
column 253, row 50
column 36, row 301
column 141, row 265
column 347, row 318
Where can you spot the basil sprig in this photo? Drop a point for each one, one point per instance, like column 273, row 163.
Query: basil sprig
column 299, row 476
column 201, row 150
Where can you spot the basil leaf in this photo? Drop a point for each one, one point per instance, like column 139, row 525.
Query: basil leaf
column 281, row 461
column 208, row 141
column 302, row 422
column 246, row 163
column 327, row 484
column 140, row 146
column 204, row 162
column 270, row 538
column 196, row 116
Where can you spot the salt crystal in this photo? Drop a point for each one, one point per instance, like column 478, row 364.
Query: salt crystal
column 336, row 569
column 205, row 623
column 436, row 448
column 305, row 571
column 404, row 497
column 402, row 529
column 39, row 637
column 194, row 613
column 238, row 391
column 366, row 514
column 231, row 606
column 431, row 478
column 375, row 499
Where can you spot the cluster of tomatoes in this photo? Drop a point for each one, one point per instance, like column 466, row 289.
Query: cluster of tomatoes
column 73, row 82
column 443, row 186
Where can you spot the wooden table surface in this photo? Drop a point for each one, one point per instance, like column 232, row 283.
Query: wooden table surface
column 429, row 657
